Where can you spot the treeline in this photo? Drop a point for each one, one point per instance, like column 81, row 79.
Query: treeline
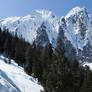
column 54, row 71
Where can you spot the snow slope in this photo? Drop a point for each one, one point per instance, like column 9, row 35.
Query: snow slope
column 76, row 28
column 79, row 27
column 43, row 27
column 14, row 79
column 27, row 26
column 88, row 64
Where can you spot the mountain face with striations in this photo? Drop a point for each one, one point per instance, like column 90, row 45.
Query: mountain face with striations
column 76, row 28
column 43, row 27
column 40, row 25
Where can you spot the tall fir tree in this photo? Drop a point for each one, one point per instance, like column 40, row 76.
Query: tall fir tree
column 29, row 57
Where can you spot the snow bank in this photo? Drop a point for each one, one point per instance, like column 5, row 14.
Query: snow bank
column 14, row 79
column 88, row 64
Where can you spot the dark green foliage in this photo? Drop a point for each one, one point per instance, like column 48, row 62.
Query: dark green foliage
column 54, row 71
column 34, row 61
column 7, row 44
column 20, row 50
column 56, row 75
column 29, row 59
column 87, row 84
column 3, row 37
column 12, row 47
column 47, row 56
column 75, row 76
column 47, row 59
column 37, row 63
column 66, row 76
column 14, row 41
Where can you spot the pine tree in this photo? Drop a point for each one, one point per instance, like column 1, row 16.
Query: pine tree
column 56, row 76
column 47, row 59
column 47, row 56
column 29, row 56
column 7, row 44
column 1, row 47
column 87, row 84
column 75, row 76
column 37, row 63
column 20, row 52
column 3, row 36
column 14, row 41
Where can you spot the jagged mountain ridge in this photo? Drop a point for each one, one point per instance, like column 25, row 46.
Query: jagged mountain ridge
column 75, row 29
column 27, row 26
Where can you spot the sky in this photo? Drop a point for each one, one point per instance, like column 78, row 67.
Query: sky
column 25, row 7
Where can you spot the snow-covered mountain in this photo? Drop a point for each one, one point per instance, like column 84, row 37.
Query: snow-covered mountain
column 77, row 29
column 43, row 27
column 27, row 26
column 14, row 79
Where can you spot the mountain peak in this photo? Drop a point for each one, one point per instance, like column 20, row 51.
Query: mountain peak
column 76, row 11
column 44, row 13
column 75, row 28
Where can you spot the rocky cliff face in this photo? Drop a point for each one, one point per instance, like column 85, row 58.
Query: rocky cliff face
column 77, row 29
column 42, row 37
column 31, row 27
column 43, row 27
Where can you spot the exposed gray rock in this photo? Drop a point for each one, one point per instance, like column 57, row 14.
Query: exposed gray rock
column 42, row 37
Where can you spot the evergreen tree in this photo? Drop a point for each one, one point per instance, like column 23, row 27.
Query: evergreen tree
column 20, row 52
column 56, row 76
column 29, row 58
column 1, row 47
column 3, row 36
column 76, row 76
column 7, row 44
column 87, row 85
column 14, row 41
column 37, row 63
column 47, row 59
